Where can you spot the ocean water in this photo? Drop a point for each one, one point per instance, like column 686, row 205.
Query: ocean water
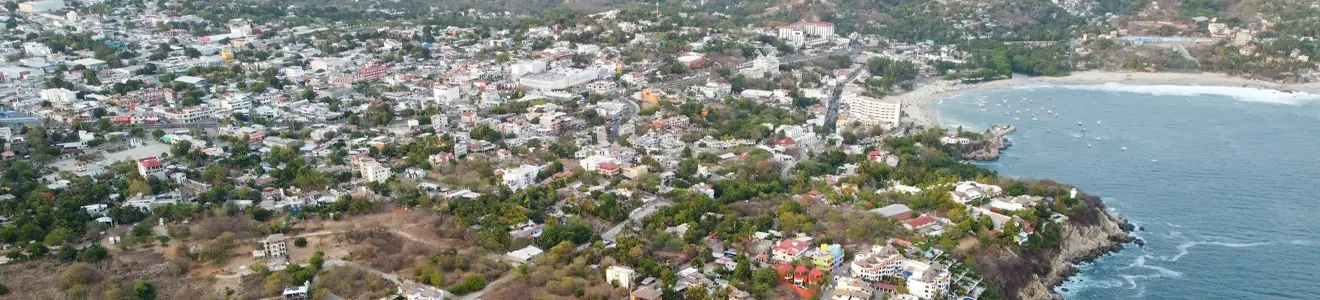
column 1225, row 182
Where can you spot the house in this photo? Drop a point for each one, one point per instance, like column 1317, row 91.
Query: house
column 524, row 255
column 848, row 288
column 150, row 166
column 620, row 276
column 296, row 293
column 828, row 257
column 608, row 169
column 645, row 293
column 922, row 222
column 788, row 250
column 274, row 247
column 414, row 291
column 968, row 191
column 520, row 177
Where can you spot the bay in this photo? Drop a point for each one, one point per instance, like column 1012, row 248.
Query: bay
column 1225, row 181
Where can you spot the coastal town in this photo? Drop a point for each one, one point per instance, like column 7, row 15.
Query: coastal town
column 674, row 150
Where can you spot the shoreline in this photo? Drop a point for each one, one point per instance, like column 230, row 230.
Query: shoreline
column 919, row 105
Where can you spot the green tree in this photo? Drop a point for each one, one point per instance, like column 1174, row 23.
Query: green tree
column 59, row 236
column 143, row 290
column 300, row 242
column 90, row 78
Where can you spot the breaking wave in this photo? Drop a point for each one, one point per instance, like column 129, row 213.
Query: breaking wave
column 1244, row 94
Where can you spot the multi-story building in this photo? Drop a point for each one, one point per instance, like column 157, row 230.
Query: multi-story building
column 928, row 281
column 558, row 79
column 191, row 114
column 873, row 111
column 797, row 32
column 828, row 257
column 848, row 288
column 521, row 177
column 761, row 66
column 150, row 166
column 881, row 262
column 234, row 103
column 373, row 72
column 59, row 96
column 789, row 250
column 446, row 94
column 274, row 246
column 373, row 171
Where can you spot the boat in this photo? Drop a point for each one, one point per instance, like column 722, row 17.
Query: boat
column 1154, row 160
column 1097, row 122
column 1077, row 135
column 1083, row 129
column 1088, row 145
column 1006, row 113
column 999, row 104
column 983, row 109
column 1033, row 118
column 1016, row 118
column 1099, row 138
column 1124, row 148
column 1079, row 123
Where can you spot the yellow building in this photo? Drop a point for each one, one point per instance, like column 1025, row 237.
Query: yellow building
column 649, row 96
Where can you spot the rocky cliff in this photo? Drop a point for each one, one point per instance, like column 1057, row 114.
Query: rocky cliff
column 1080, row 242
column 988, row 147
column 1090, row 232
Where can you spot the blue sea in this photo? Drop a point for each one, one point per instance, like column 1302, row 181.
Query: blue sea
column 1225, row 181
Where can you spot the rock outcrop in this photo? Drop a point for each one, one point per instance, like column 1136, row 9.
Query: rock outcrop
column 1080, row 243
column 1090, row 232
column 993, row 141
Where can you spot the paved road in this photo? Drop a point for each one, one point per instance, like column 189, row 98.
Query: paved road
column 637, row 215
column 832, row 115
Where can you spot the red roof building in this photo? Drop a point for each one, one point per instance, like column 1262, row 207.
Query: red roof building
column 789, row 250
column 921, row 222
column 150, row 166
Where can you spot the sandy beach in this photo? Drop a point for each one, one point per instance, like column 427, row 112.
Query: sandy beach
column 919, row 105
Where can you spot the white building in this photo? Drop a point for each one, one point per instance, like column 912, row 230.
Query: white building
column 520, row 177
column 446, row 94
column 191, row 114
column 524, row 255
column 59, row 96
column 41, row 6
column 761, row 66
column 620, row 276
column 881, row 262
column 797, row 32
column 527, row 67
column 414, row 291
column 872, row 111
column 36, row 49
column 928, row 281
column 374, row 171
column 558, row 79
column 150, row 166
column 236, row 103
